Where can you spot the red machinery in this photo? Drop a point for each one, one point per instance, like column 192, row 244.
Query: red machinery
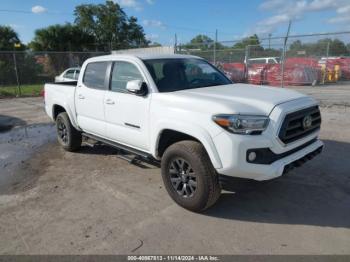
column 297, row 71
column 235, row 71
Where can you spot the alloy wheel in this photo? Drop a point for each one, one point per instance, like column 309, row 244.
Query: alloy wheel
column 62, row 131
column 182, row 177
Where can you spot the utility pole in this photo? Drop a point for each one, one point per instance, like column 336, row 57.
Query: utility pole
column 16, row 71
column 16, row 68
column 284, row 53
column 270, row 40
column 216, row 40
column 246, row 61
column 175, row 44
column 325, row 66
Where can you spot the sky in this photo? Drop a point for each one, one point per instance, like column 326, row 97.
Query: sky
column 162, row 19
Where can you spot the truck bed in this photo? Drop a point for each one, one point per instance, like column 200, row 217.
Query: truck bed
column 61, row 93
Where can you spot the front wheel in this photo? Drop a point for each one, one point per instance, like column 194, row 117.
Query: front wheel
column 68, row 137
column 189, row 176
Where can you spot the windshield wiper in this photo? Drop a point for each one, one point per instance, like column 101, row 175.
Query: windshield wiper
column 216, row 84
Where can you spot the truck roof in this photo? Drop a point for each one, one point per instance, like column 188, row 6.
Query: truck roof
column 268, row 57
column 141, row 56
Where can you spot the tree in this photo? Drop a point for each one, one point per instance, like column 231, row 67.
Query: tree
column 8, row 39
column 154, row 44
column 251, row 40
column 110, row 26
column 27, row 68
column 135, row 36
column 62, row 38
column 336, row 47
column 296, row 45
column 202, row 43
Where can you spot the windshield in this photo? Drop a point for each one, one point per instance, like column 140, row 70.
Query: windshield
column 174, row 74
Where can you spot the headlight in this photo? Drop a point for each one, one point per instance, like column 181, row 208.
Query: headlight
column 242, row 124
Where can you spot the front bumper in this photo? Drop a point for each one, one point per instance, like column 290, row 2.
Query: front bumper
column 238, row 166
column 301, row 161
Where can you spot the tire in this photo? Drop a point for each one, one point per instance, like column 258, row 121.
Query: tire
column 68, row 137
column 187, row 162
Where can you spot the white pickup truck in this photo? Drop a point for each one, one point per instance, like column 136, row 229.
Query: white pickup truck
column 184, row 114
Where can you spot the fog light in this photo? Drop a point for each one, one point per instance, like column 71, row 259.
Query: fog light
column 251, row 156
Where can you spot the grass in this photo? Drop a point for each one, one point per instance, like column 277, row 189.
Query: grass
column 26, row 90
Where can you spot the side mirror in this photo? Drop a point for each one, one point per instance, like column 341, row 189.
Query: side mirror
column 137, row 87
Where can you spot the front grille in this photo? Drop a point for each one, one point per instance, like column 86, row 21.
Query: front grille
column 294, row 127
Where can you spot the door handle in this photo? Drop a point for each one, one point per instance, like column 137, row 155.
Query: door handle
column 80, row 96
column 109, row 102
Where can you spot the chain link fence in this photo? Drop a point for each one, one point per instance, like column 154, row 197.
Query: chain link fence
column 296, row 60
column 25, row 73
column 278, row 61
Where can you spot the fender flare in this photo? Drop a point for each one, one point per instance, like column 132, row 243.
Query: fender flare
column 68, row 110
column 190, row 129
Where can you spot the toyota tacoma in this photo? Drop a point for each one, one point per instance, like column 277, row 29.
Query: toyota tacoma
column 183, row 113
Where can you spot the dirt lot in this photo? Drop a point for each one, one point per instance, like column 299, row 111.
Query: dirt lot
column 91, row 202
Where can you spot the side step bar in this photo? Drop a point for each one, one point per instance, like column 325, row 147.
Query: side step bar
column 138, row 154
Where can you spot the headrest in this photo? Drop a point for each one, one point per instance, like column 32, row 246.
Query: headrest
column 171, row 69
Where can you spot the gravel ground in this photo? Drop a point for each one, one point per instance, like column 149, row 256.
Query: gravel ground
column 92, row 202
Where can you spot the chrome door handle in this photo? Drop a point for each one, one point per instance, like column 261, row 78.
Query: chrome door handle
column 110, row 102
column 80, row 96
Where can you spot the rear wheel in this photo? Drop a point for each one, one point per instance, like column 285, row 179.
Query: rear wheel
column 68, row 137
column 189, row 176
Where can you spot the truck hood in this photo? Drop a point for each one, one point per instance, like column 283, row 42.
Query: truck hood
column 234, row 99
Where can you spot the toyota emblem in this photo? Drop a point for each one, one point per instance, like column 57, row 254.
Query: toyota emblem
column 307, row 122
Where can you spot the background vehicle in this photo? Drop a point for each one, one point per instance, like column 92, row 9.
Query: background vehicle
column 264, row 60
column 69, row 74
column 184, row 114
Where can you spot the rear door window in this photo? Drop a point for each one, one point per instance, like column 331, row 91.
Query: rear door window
column 95, row 74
